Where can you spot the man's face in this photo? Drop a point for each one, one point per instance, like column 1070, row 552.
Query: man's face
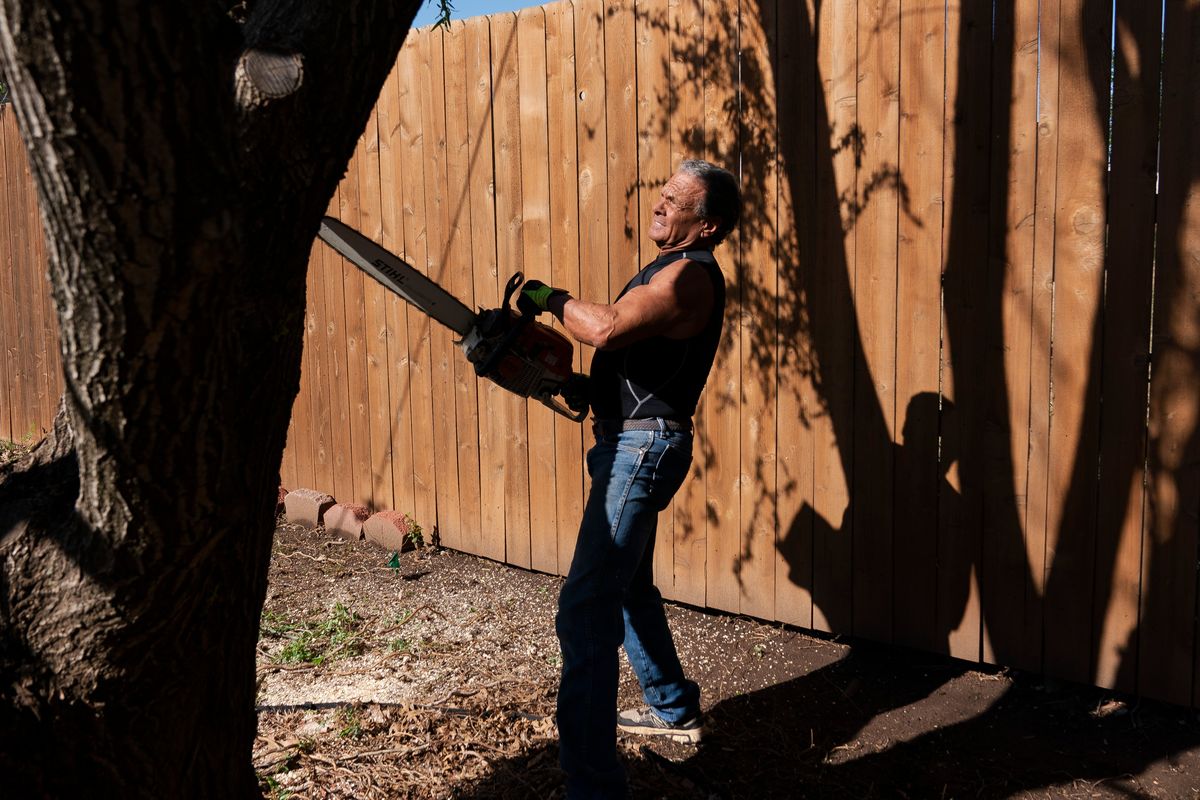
column 674, row 224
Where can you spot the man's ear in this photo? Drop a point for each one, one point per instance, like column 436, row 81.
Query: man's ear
column 709, row 227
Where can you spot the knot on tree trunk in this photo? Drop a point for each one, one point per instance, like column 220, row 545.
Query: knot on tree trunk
column 265, row 75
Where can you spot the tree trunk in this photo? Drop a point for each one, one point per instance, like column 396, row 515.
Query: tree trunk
column 183, row 160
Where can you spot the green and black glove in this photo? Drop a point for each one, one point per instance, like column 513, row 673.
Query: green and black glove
column 535, row 297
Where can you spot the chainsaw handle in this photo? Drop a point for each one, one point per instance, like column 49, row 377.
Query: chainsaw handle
column 511, row 287
column 512, row 333
column 558, row 408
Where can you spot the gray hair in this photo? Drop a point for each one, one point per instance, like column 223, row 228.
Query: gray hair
column 722, row 195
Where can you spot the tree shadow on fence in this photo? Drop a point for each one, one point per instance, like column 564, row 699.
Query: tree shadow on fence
column 982, row 529
column 982, row 525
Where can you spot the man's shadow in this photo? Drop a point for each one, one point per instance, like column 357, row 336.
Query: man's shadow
column 937, row 592
column 805, row 738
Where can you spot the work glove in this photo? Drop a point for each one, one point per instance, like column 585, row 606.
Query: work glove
column 575, row 392
column 535, row 297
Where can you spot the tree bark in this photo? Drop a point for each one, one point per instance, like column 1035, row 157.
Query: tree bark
column 183, row 161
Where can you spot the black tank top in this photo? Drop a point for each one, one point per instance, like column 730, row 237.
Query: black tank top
column 659, row 377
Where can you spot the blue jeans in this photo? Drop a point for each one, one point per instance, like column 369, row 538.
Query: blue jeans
column 609, row 598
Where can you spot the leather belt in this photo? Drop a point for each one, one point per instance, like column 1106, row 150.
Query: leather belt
column 608, row 427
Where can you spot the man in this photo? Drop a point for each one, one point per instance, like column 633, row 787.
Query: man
column 655, row 347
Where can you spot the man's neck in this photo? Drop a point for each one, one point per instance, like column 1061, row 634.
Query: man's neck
column 682, row 248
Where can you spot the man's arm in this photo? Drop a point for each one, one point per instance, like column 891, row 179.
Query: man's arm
column 675, row 303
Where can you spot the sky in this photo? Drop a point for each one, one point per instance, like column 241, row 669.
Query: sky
column 469, row 8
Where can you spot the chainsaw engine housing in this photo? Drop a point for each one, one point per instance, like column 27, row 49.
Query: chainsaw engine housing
column 535, row 360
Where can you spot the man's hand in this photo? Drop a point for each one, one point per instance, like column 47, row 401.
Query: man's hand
column 575, row 392
column 535, row 297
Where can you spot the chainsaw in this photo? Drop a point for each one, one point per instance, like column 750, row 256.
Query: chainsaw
column 513, row 350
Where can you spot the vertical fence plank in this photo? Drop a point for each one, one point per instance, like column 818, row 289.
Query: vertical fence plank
column 1042, row 310
column 287, row 464
column 322, row 416
column 442, row 350
column 355, row 212
column 374, row 340
column 1128, row 290
column 964, row 243
column 337, row 440
column 300, row 435
column 831, row 324
column 561, row 91
column 918, row 312
column 21, row 362
column 459, row 160
column 374, row 343
column 620, row 101
column 320, row 470
column 420, row 364
column 757, row 280
column 1079, row 258
column 396, row 310
column 592, row 179
column 42, row 323
column 9, row 264
column 722, row 412
column 653, row 80
column 621, row 143
column 690, row 507
column 1006, row 567
column 593, row 148
column 875, row 298
column 509, row 250
column 1168, row 633
column 798, row 401
column 487, row 295
column 29, row 285
column 535, row 240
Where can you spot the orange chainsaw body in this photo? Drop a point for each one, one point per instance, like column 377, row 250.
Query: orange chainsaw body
column 534, row 364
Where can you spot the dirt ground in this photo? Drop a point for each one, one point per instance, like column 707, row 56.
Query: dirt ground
column 433, row 674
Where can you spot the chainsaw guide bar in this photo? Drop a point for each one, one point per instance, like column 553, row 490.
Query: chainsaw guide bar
column 398, row 275
column 512, row 350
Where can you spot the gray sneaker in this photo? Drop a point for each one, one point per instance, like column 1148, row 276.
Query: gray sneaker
column 646, row 721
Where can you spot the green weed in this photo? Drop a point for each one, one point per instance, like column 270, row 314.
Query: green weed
column 301, row 650
column 351, row 722
column 11, row 451
column 334, row 637
column 416, row 535
column 275, row 626
column 273, row 789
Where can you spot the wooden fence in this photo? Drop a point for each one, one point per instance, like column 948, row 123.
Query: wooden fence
column 30, row 380
column 956, row 404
